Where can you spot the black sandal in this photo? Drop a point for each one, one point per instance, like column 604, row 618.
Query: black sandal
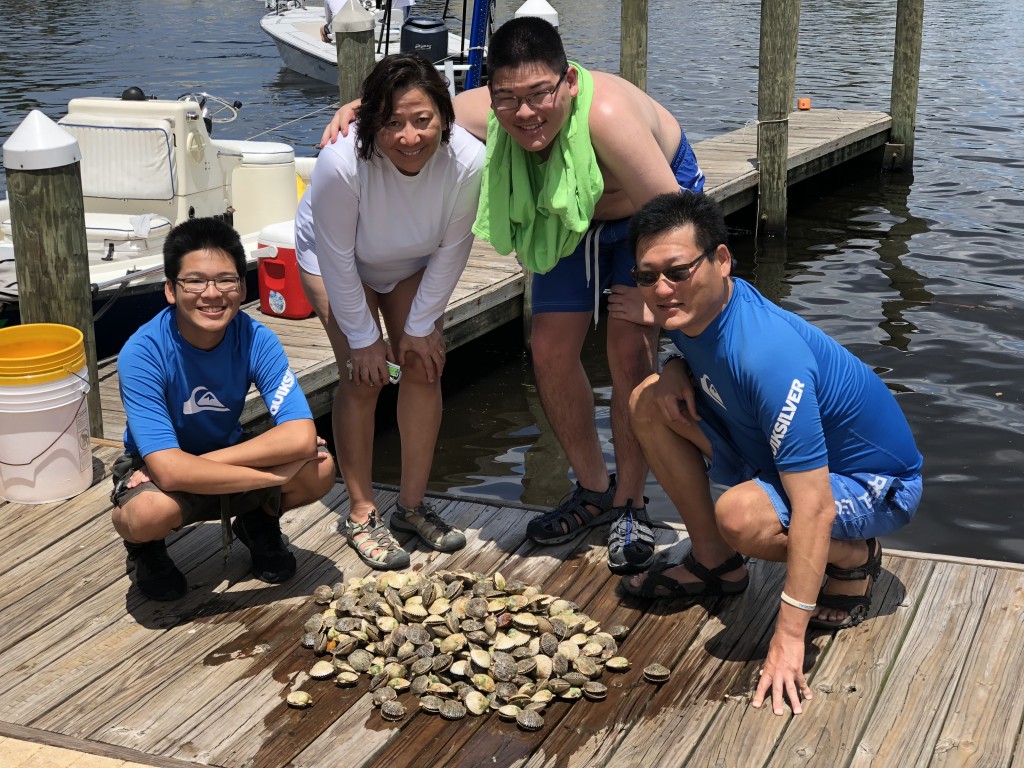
column 571, row 518
column 856, row 606
column 711, row 583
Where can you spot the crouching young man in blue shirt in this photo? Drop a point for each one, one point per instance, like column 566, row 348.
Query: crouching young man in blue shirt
column 183, row 378
column 818, row 455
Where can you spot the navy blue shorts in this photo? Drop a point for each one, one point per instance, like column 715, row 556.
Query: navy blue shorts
column 603, row 258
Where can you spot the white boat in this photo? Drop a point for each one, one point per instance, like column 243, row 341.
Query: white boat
column 146, row 166
column 295, row 29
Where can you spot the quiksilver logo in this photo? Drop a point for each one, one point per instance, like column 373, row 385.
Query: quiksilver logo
column 709, row 389
column 202, row 399
column 287, row 382
column 796, row 391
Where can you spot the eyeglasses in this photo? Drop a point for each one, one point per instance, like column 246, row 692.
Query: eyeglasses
column 680, row 273
column 535, row 99
column 199, row 284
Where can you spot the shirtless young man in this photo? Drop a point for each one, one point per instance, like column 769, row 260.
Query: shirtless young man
column 535, row 115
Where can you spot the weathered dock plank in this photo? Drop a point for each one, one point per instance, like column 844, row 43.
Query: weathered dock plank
column 984, row 720
column 908, row 717
column 852, row 672
column 87, row 665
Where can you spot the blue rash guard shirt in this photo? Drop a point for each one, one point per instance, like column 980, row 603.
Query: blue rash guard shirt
column 177, row 396
column 791, row 398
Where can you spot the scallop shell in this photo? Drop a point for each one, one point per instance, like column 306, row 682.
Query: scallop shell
column 480, row 658
column 452, row 710
column 360, row 660
column 618, row 631
column 568, row 649
column 323, row 594
column 529, row 720
column 431, row 704
column 484, row 683
column 346, row 679
column 617, row 664
column 322, row 670
column 595, row 691
column 576, row 679
column 299, row 700
column 383, row 694
column 586, row 666
column 656, row 673
column 392, row 710
column 477, row 703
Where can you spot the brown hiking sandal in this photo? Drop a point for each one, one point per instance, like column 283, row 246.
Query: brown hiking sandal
column 375, row 545
column 428, row 525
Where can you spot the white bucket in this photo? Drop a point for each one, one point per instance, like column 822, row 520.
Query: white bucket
column 45, row 452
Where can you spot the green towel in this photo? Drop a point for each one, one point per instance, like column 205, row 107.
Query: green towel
column 541, row 209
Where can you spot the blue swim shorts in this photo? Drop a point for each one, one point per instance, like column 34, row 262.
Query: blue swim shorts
column 603, row 258
column 867, row 504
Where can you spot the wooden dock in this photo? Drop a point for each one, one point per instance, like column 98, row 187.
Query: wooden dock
column 92, row 674
column 490, row 291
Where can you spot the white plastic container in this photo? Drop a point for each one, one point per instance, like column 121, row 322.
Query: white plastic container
column 45, row 451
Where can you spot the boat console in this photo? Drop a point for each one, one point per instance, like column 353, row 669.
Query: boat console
column 150, row 164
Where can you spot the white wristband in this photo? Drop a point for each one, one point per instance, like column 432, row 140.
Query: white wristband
column 797, row 604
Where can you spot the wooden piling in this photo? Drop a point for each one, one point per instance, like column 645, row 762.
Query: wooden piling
column 353, row 37
column 44, row 185
column 776, row 82
column 633, row 45
column 906, row 72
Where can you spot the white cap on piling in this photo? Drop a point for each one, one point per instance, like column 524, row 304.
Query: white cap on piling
column 39, row 143
column 539, row 8
column 352, row 17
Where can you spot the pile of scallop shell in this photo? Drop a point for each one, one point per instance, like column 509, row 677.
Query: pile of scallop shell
column 461, row 643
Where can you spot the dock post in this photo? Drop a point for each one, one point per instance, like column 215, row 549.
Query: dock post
column 42, row 162
column 633, row 45
column 906, row 72
column 776, row 84
column 353, row 37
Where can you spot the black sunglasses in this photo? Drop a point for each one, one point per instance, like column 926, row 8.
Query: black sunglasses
column 680, row 273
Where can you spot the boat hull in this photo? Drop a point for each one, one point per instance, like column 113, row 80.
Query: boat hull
column 296, row 33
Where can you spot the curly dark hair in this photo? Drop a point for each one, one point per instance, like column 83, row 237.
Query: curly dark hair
column 392, row 74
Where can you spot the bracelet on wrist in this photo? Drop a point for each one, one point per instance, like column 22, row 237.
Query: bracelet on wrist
column 670, row 358
column 797, row 604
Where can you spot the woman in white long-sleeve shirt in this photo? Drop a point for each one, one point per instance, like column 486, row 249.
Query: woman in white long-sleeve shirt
column 384, row 230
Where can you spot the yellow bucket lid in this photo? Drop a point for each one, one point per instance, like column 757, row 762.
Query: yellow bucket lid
column 36, row 353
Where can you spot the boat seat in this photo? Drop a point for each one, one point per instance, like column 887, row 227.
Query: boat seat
column 125, row 158
column 254, row 152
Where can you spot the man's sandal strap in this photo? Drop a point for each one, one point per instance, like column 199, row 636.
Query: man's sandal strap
column 712, row 575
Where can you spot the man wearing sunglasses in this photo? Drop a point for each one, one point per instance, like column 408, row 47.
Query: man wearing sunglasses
column 818, row 456
column 571, row 155
column 183, row 379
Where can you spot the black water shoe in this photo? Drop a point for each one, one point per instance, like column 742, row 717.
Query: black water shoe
column 156, row 575
column 272, row 561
